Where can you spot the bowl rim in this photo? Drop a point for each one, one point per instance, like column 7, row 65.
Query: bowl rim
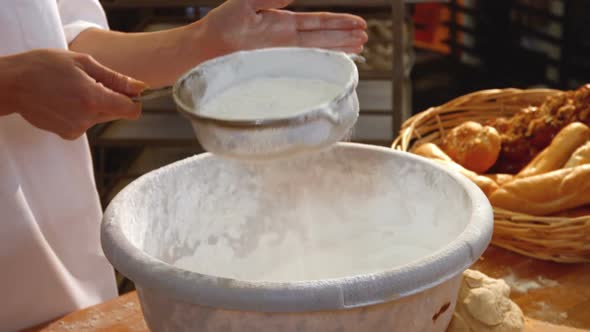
column 311, row 114
column 349, row 292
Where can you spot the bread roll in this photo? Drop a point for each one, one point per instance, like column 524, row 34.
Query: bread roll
column 559, row 151
column 473, row 146
column 432, row 151
column 546, row 193
column 580, row 157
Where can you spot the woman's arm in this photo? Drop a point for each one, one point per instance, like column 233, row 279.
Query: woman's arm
column 159, row 58
column 156, row 58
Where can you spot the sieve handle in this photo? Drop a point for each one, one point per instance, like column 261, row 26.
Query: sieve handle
column 356, row 57
column 150, row 94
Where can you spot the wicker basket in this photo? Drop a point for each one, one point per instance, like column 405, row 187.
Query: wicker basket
column 558, row 239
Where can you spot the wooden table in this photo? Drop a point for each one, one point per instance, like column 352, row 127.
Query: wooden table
column 564, row 298
column 561, row 296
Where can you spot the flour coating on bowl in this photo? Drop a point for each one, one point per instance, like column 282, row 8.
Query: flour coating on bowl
column 327, row 252
column 313, row 219
column 267, row 98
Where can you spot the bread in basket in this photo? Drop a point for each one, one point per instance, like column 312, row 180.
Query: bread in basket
column 539, row 153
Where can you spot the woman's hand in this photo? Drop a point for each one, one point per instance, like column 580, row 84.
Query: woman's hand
column 159, row 58
column 65, row 92
column 250, row 24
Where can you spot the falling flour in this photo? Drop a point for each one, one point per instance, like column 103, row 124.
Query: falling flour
column 346, row 252
column 296, row 220
column 264, row 98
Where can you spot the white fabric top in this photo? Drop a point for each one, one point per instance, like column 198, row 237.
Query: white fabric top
column 50, row 254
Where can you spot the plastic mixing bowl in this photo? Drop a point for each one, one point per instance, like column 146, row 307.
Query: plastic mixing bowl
column 352, row 238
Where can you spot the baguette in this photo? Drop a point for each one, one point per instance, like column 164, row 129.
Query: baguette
column 547, row 193
column 580, row 157
column 554, row 157
column 433, row 152
column 500, row 179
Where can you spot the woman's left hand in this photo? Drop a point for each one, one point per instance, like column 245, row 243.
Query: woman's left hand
column 251, row 24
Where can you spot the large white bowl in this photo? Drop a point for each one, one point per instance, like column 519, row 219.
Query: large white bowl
column 375, row 240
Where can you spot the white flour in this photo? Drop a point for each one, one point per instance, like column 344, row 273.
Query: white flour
column 306, row 220
column 548, row 313
column 264, row 98
column 519, row 285
column 329, row 251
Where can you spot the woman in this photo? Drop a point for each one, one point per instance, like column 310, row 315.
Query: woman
column 61, row 72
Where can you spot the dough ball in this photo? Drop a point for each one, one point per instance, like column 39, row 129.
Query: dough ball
column 473, row 146
column 484, row 306
column 513, row 320
column 458, row 324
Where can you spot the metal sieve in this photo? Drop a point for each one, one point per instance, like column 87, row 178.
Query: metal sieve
column 269, row 137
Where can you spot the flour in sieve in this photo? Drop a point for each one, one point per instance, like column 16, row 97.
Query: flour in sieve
column 264, row 98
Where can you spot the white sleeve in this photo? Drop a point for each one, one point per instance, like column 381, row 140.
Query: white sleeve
column 79, row 15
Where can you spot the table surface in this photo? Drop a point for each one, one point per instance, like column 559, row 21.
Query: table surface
column 547, row 293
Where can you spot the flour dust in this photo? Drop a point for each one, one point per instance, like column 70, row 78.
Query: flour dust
column 264, row 98
column 308, row 218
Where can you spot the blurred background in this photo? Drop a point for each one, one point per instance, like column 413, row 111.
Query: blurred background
column 445, row 48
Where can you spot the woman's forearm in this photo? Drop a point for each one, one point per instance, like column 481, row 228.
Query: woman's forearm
column 8, row 84
column 159, row 58
column 156, row 58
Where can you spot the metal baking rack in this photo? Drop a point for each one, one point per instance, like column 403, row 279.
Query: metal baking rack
column 545, row 40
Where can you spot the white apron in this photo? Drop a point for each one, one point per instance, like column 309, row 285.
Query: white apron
column 50, row 257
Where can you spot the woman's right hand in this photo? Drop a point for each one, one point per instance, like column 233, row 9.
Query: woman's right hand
column 65, row 92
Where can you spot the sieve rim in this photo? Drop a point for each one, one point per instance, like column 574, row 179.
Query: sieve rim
column 308, row 115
